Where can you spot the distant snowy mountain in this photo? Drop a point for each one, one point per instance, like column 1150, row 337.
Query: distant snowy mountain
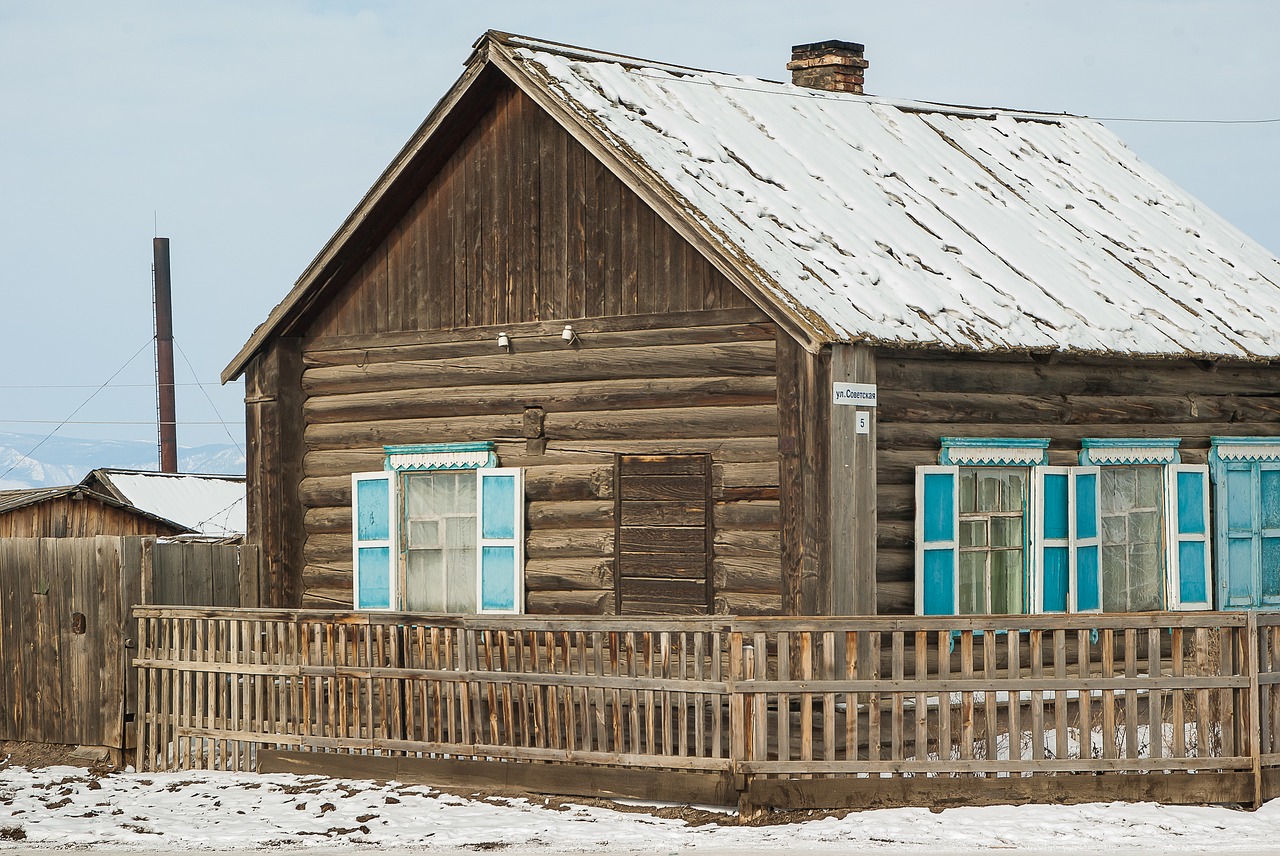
column 66, row 460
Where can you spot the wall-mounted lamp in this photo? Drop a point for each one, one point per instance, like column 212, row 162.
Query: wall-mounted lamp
column 568, row 335
column 504, row 341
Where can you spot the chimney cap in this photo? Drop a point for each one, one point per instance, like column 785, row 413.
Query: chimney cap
column 829, row 44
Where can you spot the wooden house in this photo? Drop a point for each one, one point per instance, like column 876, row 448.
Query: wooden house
column 616, row 336
column 75, row 511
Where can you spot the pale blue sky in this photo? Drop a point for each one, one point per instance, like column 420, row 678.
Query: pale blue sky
column 248, row 130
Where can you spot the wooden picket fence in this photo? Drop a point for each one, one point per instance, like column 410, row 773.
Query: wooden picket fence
column 793, row 712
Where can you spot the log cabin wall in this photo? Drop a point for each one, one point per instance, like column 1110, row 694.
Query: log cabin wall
column 661, row 384
column 924, row 396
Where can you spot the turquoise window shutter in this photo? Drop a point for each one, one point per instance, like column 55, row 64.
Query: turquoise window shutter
column 500, row 580
column 1238, row 513
column 1052, row 539
column 1189, row 537
column 373, row 536
column 1086, row 541
column 1269, row 530
column 937, row 545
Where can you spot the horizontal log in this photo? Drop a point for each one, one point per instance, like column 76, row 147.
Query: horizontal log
column 663, row 465
column 895, row 501
column 327, row 520
column 668, row 565
column 326, row 598
column 762, row 514
column 548, row 543
column 659, row 513
column 763, row 473
column 594, row 574
column 578, row 482
column 343, row 461
column 736, row 542
column 747, row 603
column 357, row 435
column 1020, row 376
column 571, row 514
column 662, row 539
column 417, row 402
column 672, row 422
column 738, row 359
column 1020, row 409
column 569, row 602
column 714, row 325
column 662, row 488
column 327, row 548
column 927, row 435
column 758, row 575
column 895, row 564
column 895, row 598
column 721, row 449
column 332, row 491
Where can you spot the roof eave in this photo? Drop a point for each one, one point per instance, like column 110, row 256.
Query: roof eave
column 324, row 264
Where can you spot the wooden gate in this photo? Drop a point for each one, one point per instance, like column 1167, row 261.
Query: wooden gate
column 65, row 629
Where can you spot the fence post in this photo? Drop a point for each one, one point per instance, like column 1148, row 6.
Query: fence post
column 1255, row 707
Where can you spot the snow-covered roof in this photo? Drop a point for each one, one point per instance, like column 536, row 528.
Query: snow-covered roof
column 911, row 223
column 208, row 504
column 852, row 218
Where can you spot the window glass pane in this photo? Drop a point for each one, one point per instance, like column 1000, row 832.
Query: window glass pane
column 440, row 539
column 968, row 487
column 973, row 595
column 1006, row 581
column 1270, row 567
column 990, row 492
column 1271, row 499
column 1132, row 538
column 973, row 533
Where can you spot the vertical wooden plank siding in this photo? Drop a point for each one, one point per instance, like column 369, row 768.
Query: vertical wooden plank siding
column 273, row 405
column 851, row 576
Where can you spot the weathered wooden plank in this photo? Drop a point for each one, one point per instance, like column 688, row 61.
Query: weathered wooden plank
column 413, row 402
column 715, row 359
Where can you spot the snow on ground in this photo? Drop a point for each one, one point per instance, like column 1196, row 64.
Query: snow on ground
column 61, row 807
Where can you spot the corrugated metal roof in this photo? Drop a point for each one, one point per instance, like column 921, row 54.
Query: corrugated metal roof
column 208, row 504
column 908, row 223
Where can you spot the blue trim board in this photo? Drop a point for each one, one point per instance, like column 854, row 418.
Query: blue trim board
column 1160, row 444
column 432, row 448
column 1013, row 443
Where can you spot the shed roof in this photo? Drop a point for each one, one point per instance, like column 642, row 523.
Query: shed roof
column 857, row 218
column 208, row 504
column 13, row 500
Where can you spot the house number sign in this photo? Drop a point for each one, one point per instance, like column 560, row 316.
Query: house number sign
column 855, row 394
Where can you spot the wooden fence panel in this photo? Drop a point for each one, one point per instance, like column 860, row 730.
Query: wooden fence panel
column 1151, row 698
column 66, row 672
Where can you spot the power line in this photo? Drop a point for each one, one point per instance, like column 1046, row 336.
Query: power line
column 814, row 93
column 104, row 386
column 103, row 422
column 67, row 421
column 213, row 406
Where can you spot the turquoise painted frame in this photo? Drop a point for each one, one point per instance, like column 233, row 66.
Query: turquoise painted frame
column 1166, row 444
column 945, row 457
column 1217, row 476
column 446, row 448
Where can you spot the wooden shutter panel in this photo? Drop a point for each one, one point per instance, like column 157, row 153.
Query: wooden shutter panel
column 662, row 549
column 1086, row 540
column 1188, row 517
column 500, row 548
column 375, row 552
column 937, row 539
column 1051, row 493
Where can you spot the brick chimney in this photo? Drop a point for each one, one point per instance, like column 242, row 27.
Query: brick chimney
column 832, row 65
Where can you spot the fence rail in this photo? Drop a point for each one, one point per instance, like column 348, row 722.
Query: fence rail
column 791, row 709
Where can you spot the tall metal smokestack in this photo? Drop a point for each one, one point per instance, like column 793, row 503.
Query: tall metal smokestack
column 166, row 404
